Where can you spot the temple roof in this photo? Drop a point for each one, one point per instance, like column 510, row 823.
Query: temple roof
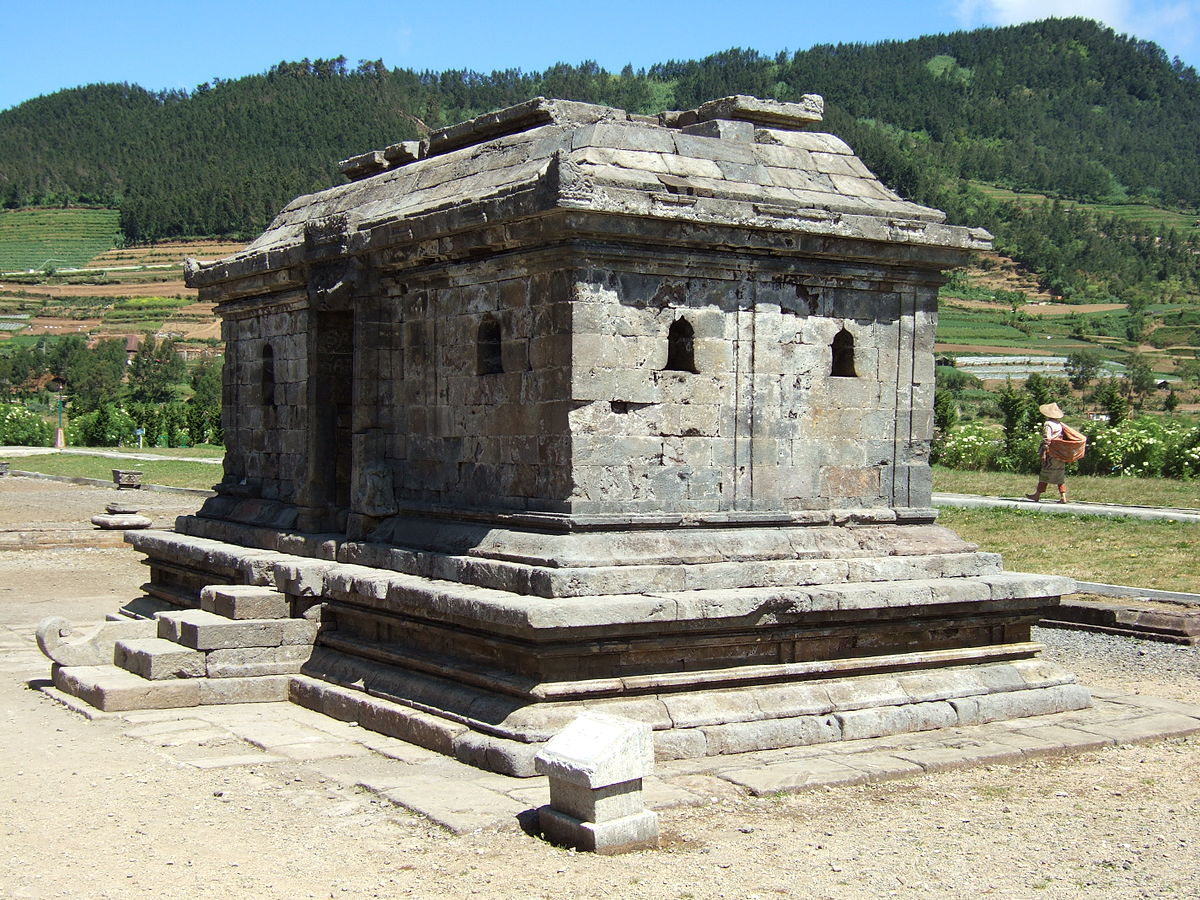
column 737, row 161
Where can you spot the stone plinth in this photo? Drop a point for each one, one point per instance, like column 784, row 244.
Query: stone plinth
column 127, row 479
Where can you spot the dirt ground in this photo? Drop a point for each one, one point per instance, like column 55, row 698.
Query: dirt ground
column 170, row 288
column 86, row 811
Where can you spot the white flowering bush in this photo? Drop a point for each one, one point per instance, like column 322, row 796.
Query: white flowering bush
column 20, row 427
column 1136, row 447
column 1146, row 447
column 971, row 446
column 1182, row 459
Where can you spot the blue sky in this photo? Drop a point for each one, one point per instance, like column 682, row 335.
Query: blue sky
column 168, row 44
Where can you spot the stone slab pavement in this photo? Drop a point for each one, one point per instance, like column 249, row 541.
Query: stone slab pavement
column 1053, row 507
column 276, row 738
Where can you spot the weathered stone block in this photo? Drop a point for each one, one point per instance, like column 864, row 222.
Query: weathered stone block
column 597, row 750
column 203, row 630
column 245, row 602
column 287, row 659
column 599, row 805
column 637, row 832
column 885, row 720
column 156, row 659
column 257, row 689
column 770, row 734
column 116, row 690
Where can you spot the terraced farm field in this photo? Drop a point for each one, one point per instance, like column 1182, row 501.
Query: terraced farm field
column 168, row 253
column 120, row 291
column 1188, row 224
column 58, row 238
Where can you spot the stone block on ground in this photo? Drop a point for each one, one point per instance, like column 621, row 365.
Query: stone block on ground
column 636, row 832
column 256, row 689
column 595, row 766
column 460, row 806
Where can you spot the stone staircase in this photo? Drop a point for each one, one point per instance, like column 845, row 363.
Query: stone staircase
column 240, row 646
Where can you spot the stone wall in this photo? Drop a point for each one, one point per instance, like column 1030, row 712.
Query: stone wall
column 265, row 404
column 762, row 424
column 534, row 383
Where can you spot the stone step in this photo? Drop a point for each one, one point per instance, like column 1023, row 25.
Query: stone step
column 244, row 601
column 202, row 630
column 156, row 659
column 112, row 689
column 241, row 662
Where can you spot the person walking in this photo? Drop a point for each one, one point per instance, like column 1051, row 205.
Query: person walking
column 1054, row 466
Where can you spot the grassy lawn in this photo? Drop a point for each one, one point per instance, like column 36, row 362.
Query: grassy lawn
column 1125, row 491
column 171, row 472
column 1159, row 555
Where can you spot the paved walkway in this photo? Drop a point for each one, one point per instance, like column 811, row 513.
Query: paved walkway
column 1052, row 507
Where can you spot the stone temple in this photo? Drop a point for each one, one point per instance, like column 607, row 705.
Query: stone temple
column 568, row 408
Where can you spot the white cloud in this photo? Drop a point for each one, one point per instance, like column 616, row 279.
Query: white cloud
column 1173, row 24
column 1113, row 13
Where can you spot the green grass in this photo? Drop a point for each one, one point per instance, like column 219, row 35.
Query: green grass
column 1123, row 491
column 1156, row 554
column 170, row 472
column 34, row 238
column 1188, row 224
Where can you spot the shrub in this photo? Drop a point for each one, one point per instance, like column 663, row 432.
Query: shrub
column 1144, row 446
column 972, row 446
column 20, row 427
column 104, row 427
column 1182, row 459
column 1020, row 453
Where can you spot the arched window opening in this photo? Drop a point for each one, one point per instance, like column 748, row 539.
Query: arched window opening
column 843, row 355
column 488, row 357
column 268, row 375
column 681, row 347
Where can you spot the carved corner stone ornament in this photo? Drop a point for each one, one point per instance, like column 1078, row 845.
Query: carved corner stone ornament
column 566, row 409
column 374, row 495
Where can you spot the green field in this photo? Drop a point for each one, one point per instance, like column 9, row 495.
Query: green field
column 1188, row 224
column 57, row 238
column 1000, row 330
column 174, row 472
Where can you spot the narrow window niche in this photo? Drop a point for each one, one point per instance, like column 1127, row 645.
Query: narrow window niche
column 681, row 347
column 488, row 357
column 843, row 355
column 268, row 375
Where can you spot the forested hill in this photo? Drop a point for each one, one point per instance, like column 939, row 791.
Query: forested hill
column 1065, row 107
